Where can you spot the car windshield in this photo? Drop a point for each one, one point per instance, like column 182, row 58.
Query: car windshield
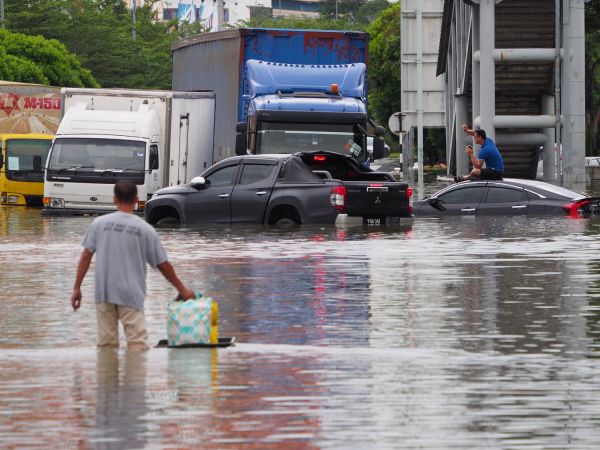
column 97, row 154
column 280, row 137
column 27, row 155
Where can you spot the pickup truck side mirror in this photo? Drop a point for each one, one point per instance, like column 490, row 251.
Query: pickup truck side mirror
column 241, row 138
column 153, row 160
column 378, row 147
column 199, row 183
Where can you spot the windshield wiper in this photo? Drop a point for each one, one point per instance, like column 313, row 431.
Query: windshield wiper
column 116, row 170
column 74, row 168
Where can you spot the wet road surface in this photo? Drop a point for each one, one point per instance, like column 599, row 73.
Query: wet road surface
column 448, row 334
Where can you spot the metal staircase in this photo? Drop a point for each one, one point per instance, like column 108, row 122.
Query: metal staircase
column 503, row 80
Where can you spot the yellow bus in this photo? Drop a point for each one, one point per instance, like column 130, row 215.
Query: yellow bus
column 22, row 161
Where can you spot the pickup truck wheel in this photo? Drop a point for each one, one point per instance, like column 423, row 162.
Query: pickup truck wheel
column 164, row 216
column 285, row 221
column 167, row 221
column 284, row 215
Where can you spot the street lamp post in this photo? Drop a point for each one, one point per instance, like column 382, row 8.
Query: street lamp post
column 133, row 19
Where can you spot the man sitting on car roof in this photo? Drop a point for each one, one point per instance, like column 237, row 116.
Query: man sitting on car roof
column 488, row 155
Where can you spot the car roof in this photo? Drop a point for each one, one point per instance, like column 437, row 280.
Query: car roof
column 538, row 187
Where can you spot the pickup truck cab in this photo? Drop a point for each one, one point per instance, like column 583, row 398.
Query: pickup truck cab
column 265, row 189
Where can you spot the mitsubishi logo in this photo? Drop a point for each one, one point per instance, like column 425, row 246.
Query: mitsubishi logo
column 378, row 199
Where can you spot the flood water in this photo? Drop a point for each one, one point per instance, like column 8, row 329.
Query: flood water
column 447, row 334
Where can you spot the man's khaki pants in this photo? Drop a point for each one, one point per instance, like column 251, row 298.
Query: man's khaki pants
column 134, row 324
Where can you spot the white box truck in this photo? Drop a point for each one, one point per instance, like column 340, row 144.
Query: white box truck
column 154, row 138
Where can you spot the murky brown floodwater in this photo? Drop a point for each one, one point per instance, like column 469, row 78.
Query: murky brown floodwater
column 450, row 334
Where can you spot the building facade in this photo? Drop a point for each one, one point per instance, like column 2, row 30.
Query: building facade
column 233, row 11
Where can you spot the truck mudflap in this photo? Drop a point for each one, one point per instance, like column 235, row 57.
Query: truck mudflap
column 377, row 200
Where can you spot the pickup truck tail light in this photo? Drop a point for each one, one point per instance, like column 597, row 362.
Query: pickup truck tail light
column 573, row 209
column 409, row 194
column 338, row 198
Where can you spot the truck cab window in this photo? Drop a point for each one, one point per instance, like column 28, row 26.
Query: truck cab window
column 26, row 157
column 223, row 177
column 291, row 137
column 253, row 173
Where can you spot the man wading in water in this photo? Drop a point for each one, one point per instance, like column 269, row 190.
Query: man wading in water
column 124, row 244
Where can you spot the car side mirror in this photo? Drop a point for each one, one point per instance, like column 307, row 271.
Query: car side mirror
column 153, row 160
column 436, row 203
column 241, row 138
column 199, row 183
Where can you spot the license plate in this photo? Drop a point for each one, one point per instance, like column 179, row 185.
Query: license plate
column 377, row 189
column 373, row 221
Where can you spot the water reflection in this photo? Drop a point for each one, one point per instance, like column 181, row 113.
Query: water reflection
column 120, row 400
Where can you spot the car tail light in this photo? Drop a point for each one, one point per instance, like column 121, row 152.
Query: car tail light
column 573, row 208
column 409, row 194
column 320, row 158
column 338, row 198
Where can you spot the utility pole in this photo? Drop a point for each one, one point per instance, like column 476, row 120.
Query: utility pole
column 2, row 14
column 133, row 18
column 336, row 9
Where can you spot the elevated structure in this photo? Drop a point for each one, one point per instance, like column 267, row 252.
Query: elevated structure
column 422, row 93
column 516, row 69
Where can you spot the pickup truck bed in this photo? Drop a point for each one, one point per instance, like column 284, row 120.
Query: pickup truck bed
column 374, row 196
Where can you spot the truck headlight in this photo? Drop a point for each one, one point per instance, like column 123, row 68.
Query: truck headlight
column 13, row 198
column 53, row 202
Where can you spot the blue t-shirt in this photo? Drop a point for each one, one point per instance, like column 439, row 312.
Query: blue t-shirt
column 491, row 155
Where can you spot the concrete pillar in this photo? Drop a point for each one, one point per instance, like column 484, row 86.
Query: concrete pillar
column 487, row 66
column 549, row 153
column 574, row 98
column 476, row 85
column 408, row 145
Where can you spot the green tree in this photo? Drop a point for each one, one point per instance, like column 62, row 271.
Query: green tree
column 33, row 59
column 384, row 64
column 592, row 81
column 100, row 33
column 298, row 23
column 345, row 9
column 370, row 11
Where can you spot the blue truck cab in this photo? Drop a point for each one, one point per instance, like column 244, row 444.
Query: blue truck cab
column 306, row 107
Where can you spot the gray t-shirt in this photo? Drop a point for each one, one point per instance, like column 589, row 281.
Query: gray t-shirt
column 123, row 244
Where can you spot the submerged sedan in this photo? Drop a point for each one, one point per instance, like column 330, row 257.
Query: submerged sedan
column 507, row 197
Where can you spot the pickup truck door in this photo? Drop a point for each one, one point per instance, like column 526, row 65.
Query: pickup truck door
column 252, row 192
column 212, row 203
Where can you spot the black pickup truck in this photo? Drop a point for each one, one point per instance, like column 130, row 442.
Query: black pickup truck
column 281, row 189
